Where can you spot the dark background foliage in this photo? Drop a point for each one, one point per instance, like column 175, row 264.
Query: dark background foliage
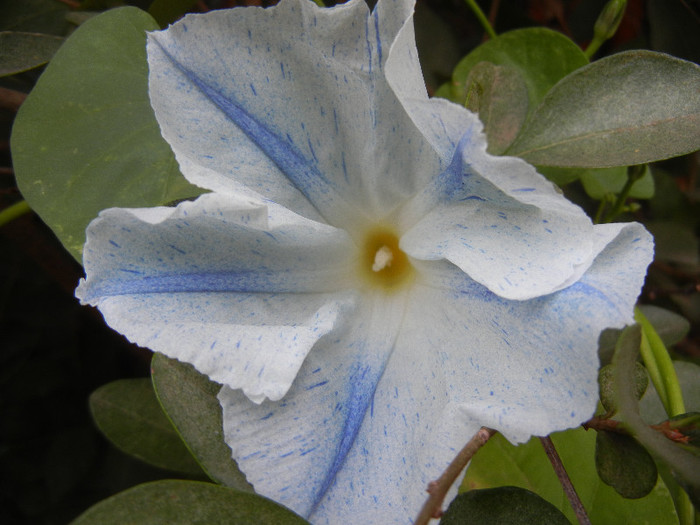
column 54, row 353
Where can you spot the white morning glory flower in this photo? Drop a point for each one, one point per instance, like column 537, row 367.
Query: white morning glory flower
column 368, row 284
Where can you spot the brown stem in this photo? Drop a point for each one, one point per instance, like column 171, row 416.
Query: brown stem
column 603, row 423
column 437, row 489
column 565, row 481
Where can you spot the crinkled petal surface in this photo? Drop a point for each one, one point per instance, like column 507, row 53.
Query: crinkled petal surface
column 292, row 103
column 501, row 222
column 241, row 291
column 462, row 357
column 312, row 126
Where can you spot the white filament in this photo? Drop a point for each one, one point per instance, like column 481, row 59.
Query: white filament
column 382, row 259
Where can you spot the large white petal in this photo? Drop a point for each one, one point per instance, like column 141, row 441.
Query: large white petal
column 241, row 291
column 292, row 103
column 529, row 367
column 339, row 450
column 292, row 450
column 501, row 222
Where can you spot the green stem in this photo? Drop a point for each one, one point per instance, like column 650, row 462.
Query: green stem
column 601, row 208
column 658, row 362
column 14, row 211
column 685, row 508
column 593, row 47
column 634, row 173
column 319, row 3
column 481, row 17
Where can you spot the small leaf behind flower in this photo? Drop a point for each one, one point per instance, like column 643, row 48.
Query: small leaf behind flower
column 624, row 464
column 501, row 506
column 540, row 55
column 605, row 181
column 499, row 95
column 683, row 463
column 175, row 502
column 21, row 51
column 630, row 108
column 189, row 399
column 606, row 384
column 128, row 414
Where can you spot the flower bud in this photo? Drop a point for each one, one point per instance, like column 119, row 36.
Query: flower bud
column 609, row 19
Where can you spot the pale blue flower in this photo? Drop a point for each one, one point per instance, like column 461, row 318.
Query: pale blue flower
column 366, row 282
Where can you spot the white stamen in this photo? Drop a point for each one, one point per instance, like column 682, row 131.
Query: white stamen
column 382, row 259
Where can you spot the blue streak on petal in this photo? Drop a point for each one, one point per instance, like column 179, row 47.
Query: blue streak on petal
column 379, row 41
column 363, row 383
column 302, row 172
column 233, row 281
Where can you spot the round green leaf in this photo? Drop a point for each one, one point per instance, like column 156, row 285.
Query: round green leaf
column 34, row 16
column 24, row 51
column 606, row 181
column 682, row 462
column 500, row 463
column 86, row 134
column 541, row 56
column 175, row 502
column 502, row 506
column 630, row 108
column 624, row 464
column 606, row 385
column 189, row 399
column 128, row 414
column 499, row 95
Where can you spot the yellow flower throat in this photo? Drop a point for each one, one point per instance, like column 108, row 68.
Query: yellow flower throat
column 382, row 263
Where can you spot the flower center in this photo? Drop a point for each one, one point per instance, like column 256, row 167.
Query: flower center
column 383, row 264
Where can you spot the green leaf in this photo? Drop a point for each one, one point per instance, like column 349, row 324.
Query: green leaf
column 650, row 406
column 671, row 327
column 624, row 464
column 128, row 413
column 561, row 176
column 189, row 400
column 606, row 181
column 175, row 502
column 168, row 11
column 86, row 138
column 34, row 16
column 541, row 56
column 499, row 95
column 501, row 506
column 606, row 378
column 24, row 51
column 683, row 463
column 630, row 108
column 500, row 463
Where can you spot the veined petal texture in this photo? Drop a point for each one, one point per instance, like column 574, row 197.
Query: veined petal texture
column 291, row 102
column 458, row 358
column 344, row 395
column 501, row 222
column 241, row 291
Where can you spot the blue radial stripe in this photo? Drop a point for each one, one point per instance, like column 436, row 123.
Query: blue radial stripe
column 194, row 282
column 363, row 381
column 302, row 172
